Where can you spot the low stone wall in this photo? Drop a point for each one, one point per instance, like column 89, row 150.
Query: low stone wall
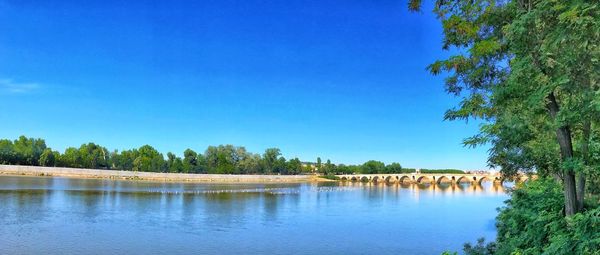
column 131, row 175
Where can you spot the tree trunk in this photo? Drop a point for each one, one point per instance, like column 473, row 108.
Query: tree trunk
column 563, row 135
column 570, row 195
column 580, row 191
column 585, row 151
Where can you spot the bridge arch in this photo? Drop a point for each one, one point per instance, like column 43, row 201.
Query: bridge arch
column 404, row 178
column 424, row 179
column 463, row 179
column 482, row 179
column 476, row 179
column 391, row 179
column 443, row 179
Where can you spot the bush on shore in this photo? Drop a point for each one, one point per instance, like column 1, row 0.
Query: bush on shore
column 533, row 222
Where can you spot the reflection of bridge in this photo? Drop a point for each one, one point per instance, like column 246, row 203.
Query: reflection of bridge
column 426, row 178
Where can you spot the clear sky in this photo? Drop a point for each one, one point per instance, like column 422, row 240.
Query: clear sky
column 341, row 79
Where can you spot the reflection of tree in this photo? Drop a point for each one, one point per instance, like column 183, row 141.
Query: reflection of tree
column 29, row 200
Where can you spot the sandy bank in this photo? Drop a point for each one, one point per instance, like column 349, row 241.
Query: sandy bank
column 148, row 176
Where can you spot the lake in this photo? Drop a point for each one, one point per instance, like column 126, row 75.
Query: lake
column 45, row 215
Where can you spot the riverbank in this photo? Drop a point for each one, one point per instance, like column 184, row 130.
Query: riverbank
column 151, row 176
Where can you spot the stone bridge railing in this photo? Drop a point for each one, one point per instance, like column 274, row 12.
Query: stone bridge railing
column 426, row 178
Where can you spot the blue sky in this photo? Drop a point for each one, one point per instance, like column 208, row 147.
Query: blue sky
column 343, row 80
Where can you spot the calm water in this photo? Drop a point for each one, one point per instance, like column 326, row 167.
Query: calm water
column 74, row 216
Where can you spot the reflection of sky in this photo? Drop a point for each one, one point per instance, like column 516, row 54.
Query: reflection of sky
column 68, row 216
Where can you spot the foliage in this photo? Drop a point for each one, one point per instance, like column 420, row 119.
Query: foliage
column 480, row 248
column 7, row 153
column 27, row 151
column 48, row 158
column 331, row 177
column 294, row 166
column 393, row 168
column 149, row 160
column 348, row 169
column 407, row 170
column 373, row 167
column 190, row 162
column 533, row 222
column 271, row 160
column 93, row 156
column 175, row 164
column 529, row 71
column 222, row 159
column 442, row 171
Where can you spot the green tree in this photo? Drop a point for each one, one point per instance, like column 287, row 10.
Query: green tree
column 93, row 156
column 48, row 158
column 280, row 166
column 28, row 150
column 200, row 164
column 529, row 69
column 124, row 160
column 347, row 169
column 270, row 160
column 250, row 164
column 149, row 160
column 190, row 161
column 372, row 167
column 532, row 222
column 71, row 158
column 294, row 166
column 393, row 168
column 8, row 154
column 211, row 156
column 222, row 159
column 480, row 248
column 328, row 168
column 319, row 163
column 174, row 163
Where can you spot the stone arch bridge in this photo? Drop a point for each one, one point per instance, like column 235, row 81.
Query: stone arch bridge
column 422, row 178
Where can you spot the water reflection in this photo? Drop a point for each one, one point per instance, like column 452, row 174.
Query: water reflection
column 465, row 187
column 246, row 218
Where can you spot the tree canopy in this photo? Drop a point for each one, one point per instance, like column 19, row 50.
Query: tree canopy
column 529, row 70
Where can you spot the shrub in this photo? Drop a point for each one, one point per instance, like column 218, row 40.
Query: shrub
column 331, row 177
column 533, row 222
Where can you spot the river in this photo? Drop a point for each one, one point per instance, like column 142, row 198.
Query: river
column 45, row 215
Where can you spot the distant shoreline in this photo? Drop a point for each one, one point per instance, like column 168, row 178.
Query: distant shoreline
column 17, row 170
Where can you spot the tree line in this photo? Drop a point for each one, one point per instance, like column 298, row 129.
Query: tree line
column 222, row 159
